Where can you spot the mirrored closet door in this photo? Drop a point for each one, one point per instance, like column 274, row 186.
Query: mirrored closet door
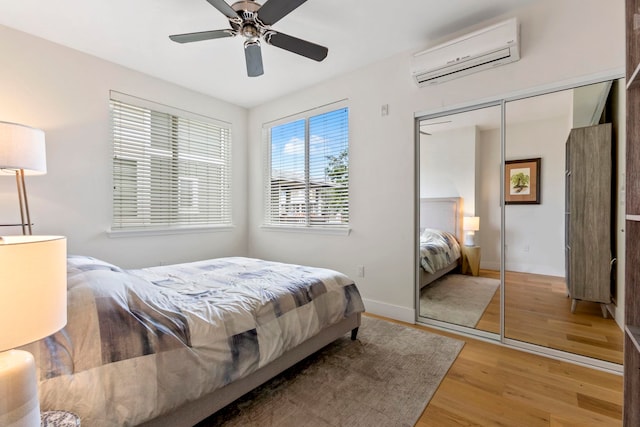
column 546, row 256
column 459, row 225
column 561, row 221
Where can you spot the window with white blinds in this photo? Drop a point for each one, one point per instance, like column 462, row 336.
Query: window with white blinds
column 308, row 170
column 168, row 170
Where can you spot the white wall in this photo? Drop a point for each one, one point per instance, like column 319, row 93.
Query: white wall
column 561, row 42
column 66, row 93
column 534, row 234
column 488, row 237
column 448, row 166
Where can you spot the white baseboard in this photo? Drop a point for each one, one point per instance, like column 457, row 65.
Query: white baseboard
column 524, row 268
column 490, row 265
column 396, row 312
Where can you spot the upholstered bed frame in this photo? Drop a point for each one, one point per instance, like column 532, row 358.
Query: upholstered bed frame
column 441, row 213
column 196, row 411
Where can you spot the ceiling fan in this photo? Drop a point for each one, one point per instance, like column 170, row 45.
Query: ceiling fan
column 254, row 21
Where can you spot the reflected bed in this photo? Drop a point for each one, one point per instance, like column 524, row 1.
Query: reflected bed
column 440, row 234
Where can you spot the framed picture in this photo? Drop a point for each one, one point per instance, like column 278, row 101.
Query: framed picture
column 522, row 182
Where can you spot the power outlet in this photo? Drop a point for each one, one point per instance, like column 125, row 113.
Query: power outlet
column 360, row 269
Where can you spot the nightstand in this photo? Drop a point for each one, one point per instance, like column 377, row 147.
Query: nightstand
column 59, row 419
column 470, row 260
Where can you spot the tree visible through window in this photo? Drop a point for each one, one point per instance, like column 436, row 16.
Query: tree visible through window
column 309, row 171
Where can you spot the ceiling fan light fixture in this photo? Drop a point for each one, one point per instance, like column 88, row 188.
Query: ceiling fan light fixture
column 250, row 31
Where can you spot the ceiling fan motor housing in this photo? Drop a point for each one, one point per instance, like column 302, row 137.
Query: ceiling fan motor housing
column 250, row 27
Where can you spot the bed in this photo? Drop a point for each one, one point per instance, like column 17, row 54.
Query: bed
column 440, row 234
column 170, row 345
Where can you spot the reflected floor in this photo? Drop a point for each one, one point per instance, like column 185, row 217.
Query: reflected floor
column 538, row 311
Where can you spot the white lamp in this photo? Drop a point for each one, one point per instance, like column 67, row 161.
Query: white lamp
column 470, row 224
column 22, row 152
column 33, row 305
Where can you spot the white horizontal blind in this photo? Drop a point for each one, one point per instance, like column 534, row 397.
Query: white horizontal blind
column 308, row 173
column 168, row 171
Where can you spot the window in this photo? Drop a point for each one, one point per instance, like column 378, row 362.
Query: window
column 171, row 168
column 308, row 170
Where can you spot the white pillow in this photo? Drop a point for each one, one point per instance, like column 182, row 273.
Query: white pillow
column 430, row 233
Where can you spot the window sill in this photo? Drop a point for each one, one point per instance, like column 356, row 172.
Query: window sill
column 309, row 230
column 138, row 232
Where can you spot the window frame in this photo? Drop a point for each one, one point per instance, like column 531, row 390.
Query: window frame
column 176, row 117
column 307, row 227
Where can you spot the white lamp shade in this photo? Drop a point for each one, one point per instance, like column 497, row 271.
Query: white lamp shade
column 471, row 223
column 22, row 147
column 33, row 288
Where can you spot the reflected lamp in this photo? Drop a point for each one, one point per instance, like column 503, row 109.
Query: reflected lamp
column 470, row 224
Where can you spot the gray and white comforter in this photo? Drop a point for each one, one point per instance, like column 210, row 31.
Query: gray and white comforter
column 438, row 249
column 139, row 343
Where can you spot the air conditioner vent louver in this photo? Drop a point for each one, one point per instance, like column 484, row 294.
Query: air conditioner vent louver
column 477, row 51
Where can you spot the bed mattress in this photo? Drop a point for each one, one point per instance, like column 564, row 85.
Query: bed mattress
column 139, row 343
column 438, row 250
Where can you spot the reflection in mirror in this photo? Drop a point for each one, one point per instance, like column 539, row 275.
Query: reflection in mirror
column 560, row 221
column 460, row 219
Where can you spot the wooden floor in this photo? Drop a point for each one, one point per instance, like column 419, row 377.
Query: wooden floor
column 491, row 385
column 538, row 311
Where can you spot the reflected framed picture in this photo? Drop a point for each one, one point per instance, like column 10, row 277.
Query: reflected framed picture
column 522, row 182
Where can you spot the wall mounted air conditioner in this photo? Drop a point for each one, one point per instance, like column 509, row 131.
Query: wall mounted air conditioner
column 486, row 48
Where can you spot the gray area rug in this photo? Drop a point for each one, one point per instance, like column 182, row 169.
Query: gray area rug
column 458, row 299
column 384, row 378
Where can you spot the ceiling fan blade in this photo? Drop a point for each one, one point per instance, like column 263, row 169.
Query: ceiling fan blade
column 224, row 8
column 202, row 35
column 296, row 45
column 274, row 10
column 253, row 56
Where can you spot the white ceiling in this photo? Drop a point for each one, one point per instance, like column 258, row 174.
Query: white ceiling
column 135, row 34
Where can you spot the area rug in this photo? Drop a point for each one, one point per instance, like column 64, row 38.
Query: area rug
column 384, row 378
column 458, row 299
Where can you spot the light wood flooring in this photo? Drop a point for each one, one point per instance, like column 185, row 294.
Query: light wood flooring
column 538, row 311
column 492, row 385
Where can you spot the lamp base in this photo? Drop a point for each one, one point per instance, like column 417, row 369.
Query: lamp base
column 19, row 405
column 470, row 238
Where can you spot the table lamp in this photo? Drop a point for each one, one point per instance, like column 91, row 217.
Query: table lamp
column 470, row 224
column 33, row 305
column 22, row 151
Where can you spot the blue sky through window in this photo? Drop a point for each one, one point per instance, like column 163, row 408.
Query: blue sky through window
column 328, row 136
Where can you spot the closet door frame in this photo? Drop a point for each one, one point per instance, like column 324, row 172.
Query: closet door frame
column 463, row 330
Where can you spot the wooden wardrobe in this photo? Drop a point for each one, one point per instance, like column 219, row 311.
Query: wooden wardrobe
column 589, row 214
column 632, row 225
